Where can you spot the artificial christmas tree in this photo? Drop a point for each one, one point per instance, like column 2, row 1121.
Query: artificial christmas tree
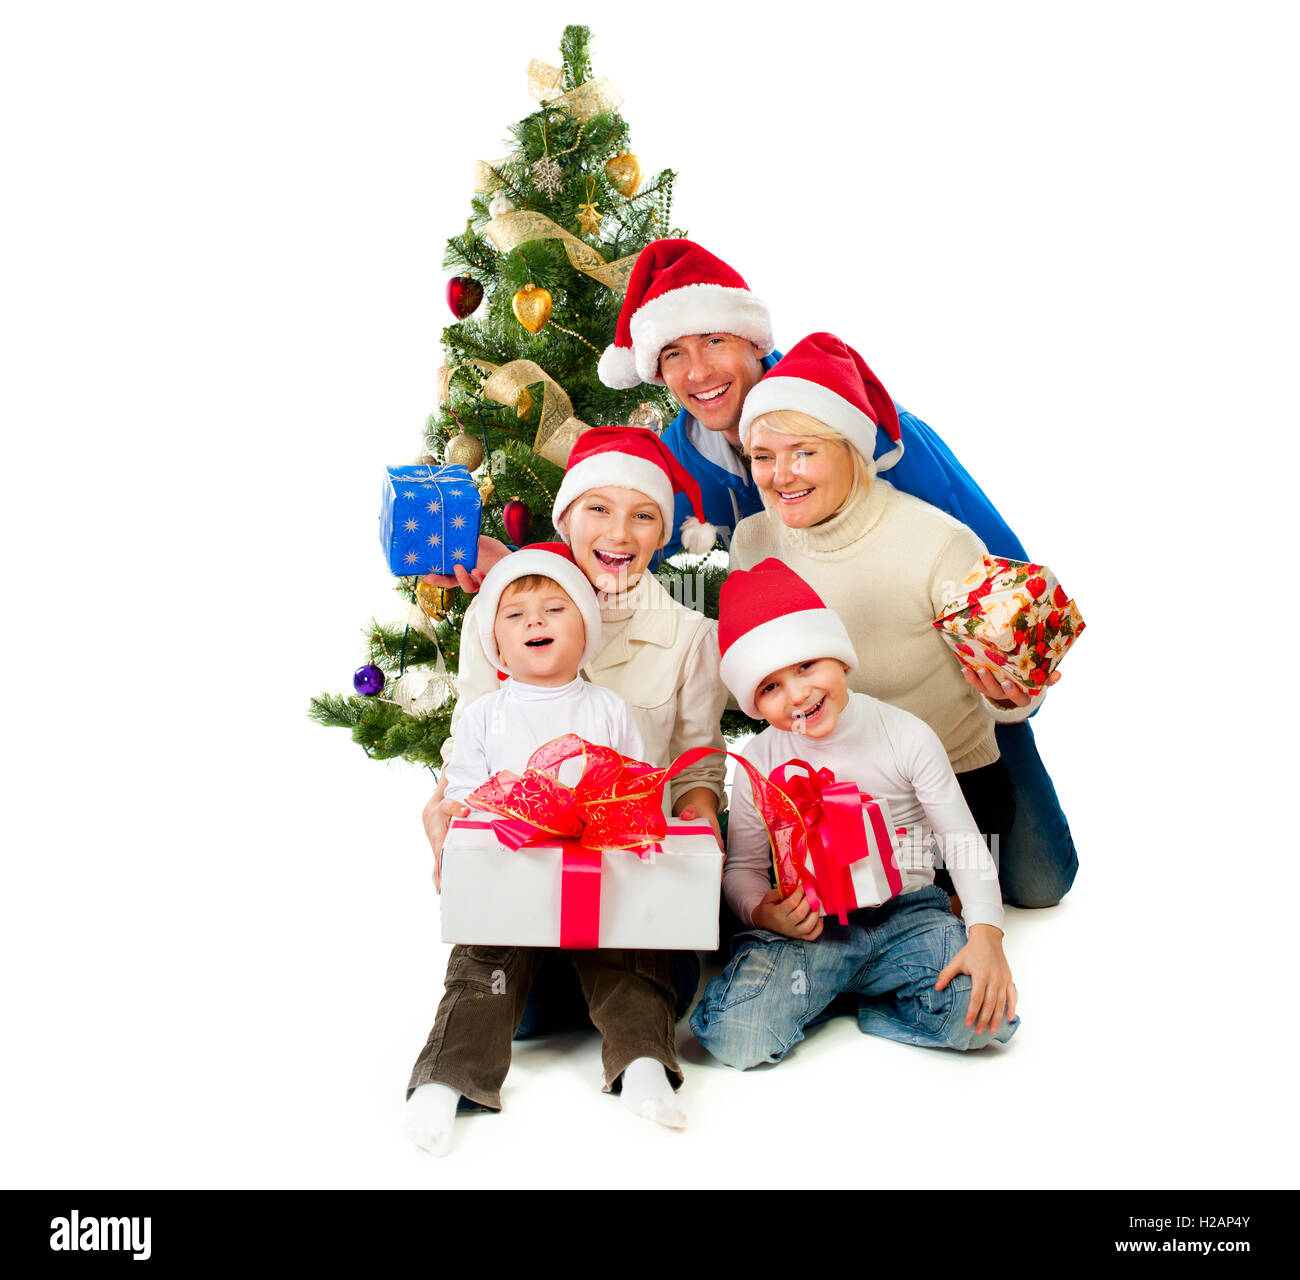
column 538, row 278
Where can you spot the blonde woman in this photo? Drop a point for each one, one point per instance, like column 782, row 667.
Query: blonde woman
column 885, row 562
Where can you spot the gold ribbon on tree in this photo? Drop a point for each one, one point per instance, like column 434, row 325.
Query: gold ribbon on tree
column 582, row 103
column 558, row 428
column 513, row 229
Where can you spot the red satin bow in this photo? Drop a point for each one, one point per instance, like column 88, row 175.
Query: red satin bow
column 615, row 804
column 836, row 835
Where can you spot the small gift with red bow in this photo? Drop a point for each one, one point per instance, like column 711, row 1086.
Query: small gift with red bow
column 1011, row 618
column 844, row 849
column 579, row 864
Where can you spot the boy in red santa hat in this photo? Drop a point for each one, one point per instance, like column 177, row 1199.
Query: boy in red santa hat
column 920, row 977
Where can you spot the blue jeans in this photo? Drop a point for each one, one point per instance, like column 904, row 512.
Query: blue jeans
column 889, row 956
column 1036, row 860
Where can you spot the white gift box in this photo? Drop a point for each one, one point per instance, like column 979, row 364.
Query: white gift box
column 877, row 876
column 496, row 896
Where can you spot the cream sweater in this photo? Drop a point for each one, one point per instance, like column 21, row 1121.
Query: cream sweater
column 886, row 565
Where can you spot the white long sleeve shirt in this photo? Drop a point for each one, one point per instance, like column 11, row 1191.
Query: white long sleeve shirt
column 893, row 756
column 501, row 730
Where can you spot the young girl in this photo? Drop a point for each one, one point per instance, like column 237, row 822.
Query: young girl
column 918, row 976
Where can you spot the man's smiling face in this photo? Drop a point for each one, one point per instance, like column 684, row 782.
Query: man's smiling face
column 710, row 374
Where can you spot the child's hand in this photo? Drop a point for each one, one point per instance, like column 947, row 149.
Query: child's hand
column 437, row 818
column 469, row 580
column 992, row 993
column 691, row 813
column 791, row 917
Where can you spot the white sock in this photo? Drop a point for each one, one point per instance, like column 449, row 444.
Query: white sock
column 647, row 1093
column 430, row 1115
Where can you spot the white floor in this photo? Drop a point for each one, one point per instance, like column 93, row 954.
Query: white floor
column 241, row 1008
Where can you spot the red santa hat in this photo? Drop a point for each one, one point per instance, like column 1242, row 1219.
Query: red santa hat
column 677, row 288
column 635, row 458
column 552, row 560
column 769, row 618
column 826, row 379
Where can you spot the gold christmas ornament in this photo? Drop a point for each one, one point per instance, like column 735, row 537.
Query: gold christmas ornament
column 588, row 219
column 588, row 214
column 500, row 205
column 646, row 415
column 532, row 307
column 624, row 173
column 464, row 450
column 486, row 488
column 523, row 403
column 435, row 601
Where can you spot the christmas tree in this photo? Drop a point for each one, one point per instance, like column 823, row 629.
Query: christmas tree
column 541, row 269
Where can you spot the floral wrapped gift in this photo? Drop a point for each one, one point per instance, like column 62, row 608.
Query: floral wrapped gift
column 591, row 864
column 429, row 519
column 1011, row 618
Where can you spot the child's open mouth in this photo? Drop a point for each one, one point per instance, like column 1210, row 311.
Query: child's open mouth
column 614, row 560
column 540, row 643
column 809, row 716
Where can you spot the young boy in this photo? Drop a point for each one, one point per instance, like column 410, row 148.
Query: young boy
column 539, row 622
column 917, row 977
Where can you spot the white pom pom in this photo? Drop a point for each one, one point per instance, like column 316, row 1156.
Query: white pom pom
column 698, row 538
column 501, row 205
column 617, row 368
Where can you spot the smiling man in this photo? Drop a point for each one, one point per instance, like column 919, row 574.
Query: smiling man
column 690, row 323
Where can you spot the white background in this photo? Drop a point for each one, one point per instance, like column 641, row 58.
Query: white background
column 1065, row 236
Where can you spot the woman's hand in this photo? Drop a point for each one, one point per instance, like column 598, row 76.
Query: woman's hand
column 792, row 917
column 1005, row 693
column 992, row 993
column 469, row 580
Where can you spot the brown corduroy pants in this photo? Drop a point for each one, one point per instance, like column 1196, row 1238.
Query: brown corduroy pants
column 629, row 995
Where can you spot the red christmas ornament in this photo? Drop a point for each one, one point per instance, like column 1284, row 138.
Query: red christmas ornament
column 518, row 521
column 464, row 293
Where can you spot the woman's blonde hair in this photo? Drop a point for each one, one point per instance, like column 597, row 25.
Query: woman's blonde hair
column 793, row 422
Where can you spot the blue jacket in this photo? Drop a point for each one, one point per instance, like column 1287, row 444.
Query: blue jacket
column 927, row 470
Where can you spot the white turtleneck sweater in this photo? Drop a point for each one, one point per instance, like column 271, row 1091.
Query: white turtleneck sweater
column 659, row 655
column 892, row 756
column 887, row 564
column 503, row 729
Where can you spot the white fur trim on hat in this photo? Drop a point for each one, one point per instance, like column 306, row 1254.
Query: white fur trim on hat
column 802, row 636
column 619, row 470
column 697, row 536
column 617, row 368
column 696, row 308
column 519, row 564
column 772, row 395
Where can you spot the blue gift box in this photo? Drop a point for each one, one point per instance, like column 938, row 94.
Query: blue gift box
column 429, row 520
